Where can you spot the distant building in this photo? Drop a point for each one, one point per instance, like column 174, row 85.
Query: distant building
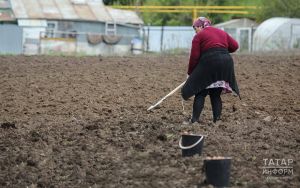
column 242, row 30
column 277, row 34
column 84, row 27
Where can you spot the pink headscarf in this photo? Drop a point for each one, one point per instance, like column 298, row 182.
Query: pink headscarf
column 202, row 22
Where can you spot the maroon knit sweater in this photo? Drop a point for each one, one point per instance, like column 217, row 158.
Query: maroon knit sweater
column 209, row 37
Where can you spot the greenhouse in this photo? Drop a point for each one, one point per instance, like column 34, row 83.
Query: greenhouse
column 241, row 30
column 277, row 34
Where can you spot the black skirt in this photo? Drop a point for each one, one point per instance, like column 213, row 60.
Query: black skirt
column 216, row 64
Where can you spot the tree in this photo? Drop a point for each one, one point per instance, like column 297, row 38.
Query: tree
column 182, row 19
column 178, row 19
column 278, row 8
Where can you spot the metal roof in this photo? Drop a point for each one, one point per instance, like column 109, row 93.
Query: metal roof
column 86, row 10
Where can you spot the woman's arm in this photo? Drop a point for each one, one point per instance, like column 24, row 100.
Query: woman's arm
column 195, row 54
column 232, row 44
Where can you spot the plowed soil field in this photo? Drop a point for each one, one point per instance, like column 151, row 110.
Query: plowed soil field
column 83, row 122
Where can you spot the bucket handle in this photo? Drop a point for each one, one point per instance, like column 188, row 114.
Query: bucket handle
column 191, row 146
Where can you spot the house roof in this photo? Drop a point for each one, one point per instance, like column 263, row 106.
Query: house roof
column 236, row 23
column 86, row 10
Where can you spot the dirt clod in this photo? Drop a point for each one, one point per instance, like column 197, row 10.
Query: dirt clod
column 8, row 125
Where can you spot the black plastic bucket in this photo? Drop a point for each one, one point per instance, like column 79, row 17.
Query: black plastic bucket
column 217, row 171
column 191, row 144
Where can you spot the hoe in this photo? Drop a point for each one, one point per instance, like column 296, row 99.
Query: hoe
column 169, row 94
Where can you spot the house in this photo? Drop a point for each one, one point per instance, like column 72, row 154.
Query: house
column 84, row 27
